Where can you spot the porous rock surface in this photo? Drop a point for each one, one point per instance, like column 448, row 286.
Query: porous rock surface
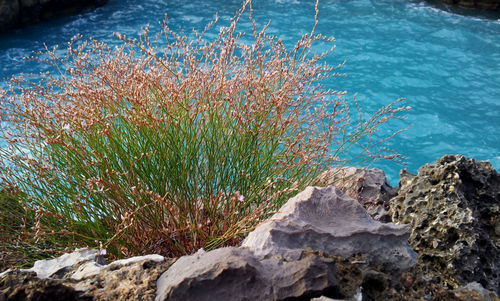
column 326, row 220
column 130, row 279
column 236, row 274
column 25, row 285
column 453, row 206
column 82, row 279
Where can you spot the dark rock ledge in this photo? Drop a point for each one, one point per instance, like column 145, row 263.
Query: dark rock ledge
column 17, row 13
column 322, row 244
column 493, row 5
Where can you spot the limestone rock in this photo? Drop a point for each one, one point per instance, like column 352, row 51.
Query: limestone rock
column 76, row 276
column 367, row 185
column 85, row 270
column 321, row 243
column 136, row 259
column 453, row 206
column 236, row 274
column 57, row 267
column 24, row 285
column 91, row 268
column 363, row 184
column 129, row 279
column 326, row 220
column 479, row 289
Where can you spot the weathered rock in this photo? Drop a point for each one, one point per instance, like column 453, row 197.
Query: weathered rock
column 91, row 268
column 76, row 276
column 25, row 285
column 363, row 184
column 433, row 292
column 129, row 279
column 84, row 270
column 479, row 4
column 479, row 289
column 453, row 206
column 236, row 274
column 367, row 185
column 58, row 267
column 321, row 243
column 326, row 220
column 16, row 13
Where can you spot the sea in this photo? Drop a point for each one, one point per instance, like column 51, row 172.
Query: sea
column 444, row 61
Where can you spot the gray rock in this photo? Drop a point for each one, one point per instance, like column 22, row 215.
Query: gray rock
column 477, row 287
column 215, row 275
column 25, row 285
column 136, row 259
column 78, row 274
column 326, row 220
column 85, row 270
column 363, row 184
column 236, row 274
column 367, row 185
column 310, row 276
column 127, row 279
column 57, row 267
column 91, row 268
column 453, row 206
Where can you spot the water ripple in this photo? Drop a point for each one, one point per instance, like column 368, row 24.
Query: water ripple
column 446, row 65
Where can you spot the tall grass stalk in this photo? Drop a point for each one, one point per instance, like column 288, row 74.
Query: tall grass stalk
column 168, row 149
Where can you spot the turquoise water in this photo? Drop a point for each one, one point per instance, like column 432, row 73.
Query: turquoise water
column 447, row 65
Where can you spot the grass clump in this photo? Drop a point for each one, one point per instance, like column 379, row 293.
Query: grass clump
column 168, row 149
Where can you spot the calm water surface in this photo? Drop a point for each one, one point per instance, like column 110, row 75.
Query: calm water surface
column 446, row 65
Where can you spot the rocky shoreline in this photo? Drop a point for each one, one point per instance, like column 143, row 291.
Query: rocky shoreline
column 491, row 5
column 437, row 237
column 18, row 13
